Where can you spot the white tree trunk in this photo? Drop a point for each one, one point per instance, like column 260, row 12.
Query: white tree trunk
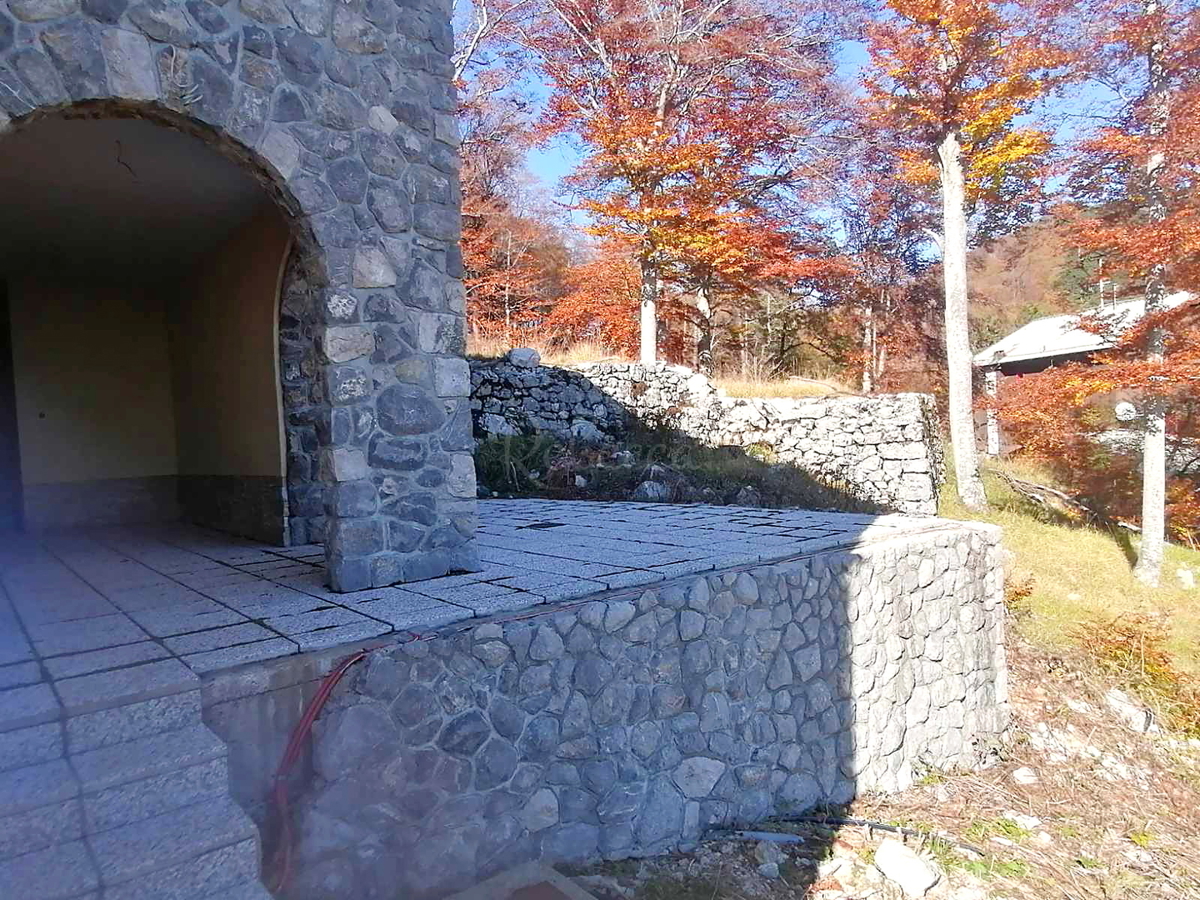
column 868, row 349
column 649, row 316
column 1154, row 448
column 958, row 344
column 704, row 343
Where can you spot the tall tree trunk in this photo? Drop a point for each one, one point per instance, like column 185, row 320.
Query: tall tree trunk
column 958, row 343
column 649, row 316
column 1154, row 447
column 704, row 344
column 868, row 348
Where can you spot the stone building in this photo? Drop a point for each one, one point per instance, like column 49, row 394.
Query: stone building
column 229, row 276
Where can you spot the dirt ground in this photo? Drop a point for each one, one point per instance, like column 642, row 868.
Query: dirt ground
column 1077, row 805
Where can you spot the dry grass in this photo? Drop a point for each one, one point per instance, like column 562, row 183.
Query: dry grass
column 785, row 388
column 494, row 344
column 1084, row 574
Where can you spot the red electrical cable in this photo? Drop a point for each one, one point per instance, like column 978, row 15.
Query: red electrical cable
column 281, row 861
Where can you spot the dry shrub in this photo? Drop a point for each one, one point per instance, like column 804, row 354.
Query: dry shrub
column 1017, row 592
column 1133, row 648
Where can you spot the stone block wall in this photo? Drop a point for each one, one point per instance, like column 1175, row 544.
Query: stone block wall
column 629, row 724
column 884, row 448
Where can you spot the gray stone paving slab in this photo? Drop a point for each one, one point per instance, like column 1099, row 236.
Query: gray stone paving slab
column 162, row 597
column 26, row 746
column 128, row 851
column 329, row 617
column 402, row 614
column 61, row 872
column 110, row 658
column 517, row 600
column 19, row 674
column 630, row 579
column 281, row 606
column 460, row 593
column 33, row 704
column 63, row 608
column 60, row 638
column 229, row 636
column 13, row 647
column 118, row 687
column 228, row 657
column 185, row 619
column 342, row 634
column 38, row 785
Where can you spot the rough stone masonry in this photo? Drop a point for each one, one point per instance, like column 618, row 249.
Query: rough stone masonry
column 345, row 112
column 628, row 724
column 883, row 448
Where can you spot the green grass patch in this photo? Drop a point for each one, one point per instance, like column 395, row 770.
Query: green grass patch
column 1072, row 573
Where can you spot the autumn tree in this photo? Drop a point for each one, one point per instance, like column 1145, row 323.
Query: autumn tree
column 601, row 301
column 883, row 223
column 1136, row 185
column 695, row 117
column 512, row 252
column 950, row 79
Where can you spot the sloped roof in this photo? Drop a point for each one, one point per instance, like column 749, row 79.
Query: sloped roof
column 1054, row 336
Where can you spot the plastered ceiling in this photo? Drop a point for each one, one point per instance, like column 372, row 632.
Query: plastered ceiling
column 115, row 194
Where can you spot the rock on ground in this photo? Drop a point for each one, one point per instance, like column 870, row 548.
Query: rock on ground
column 902, row 865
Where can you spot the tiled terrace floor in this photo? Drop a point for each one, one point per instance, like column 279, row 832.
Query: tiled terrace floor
column 138, row 610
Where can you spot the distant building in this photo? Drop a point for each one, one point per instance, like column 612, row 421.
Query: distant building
column 1052, row 341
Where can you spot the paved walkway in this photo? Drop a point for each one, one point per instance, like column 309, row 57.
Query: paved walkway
column 109, row 779
column 167, row 602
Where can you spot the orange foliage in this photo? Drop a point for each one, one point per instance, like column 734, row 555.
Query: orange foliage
column 694, row 118
column 601, row 302
column 971, row 66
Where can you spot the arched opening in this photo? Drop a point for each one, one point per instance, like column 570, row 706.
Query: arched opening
column 140, row 273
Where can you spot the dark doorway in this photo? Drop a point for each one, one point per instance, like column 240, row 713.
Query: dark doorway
column 10, row 447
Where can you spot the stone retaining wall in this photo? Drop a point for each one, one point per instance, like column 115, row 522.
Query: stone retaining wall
column 629, row 724
column 884, row 448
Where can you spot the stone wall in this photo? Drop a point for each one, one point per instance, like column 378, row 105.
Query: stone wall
column 884, row 448
column 628, row 724
column 344, row 111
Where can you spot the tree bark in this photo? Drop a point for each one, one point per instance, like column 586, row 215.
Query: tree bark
column 868, row 349
column 649, row 316
column 958, row 344
column 704, row 344
column 1154, row 447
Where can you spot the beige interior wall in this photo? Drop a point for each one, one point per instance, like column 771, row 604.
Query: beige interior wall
column 224, row 346
column 93, row 383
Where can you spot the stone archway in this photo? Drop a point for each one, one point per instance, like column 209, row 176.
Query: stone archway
column 344, row 112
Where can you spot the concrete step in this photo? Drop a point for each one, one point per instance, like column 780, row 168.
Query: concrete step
column 41, row 784
column 249, row 890
column 41, row 828
column 57, row 873
column 121, row 687
column 27, row 746
column 147, row 757
column 118, row 725
column 137, row 800
column 214, row 874
column 170, row 839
